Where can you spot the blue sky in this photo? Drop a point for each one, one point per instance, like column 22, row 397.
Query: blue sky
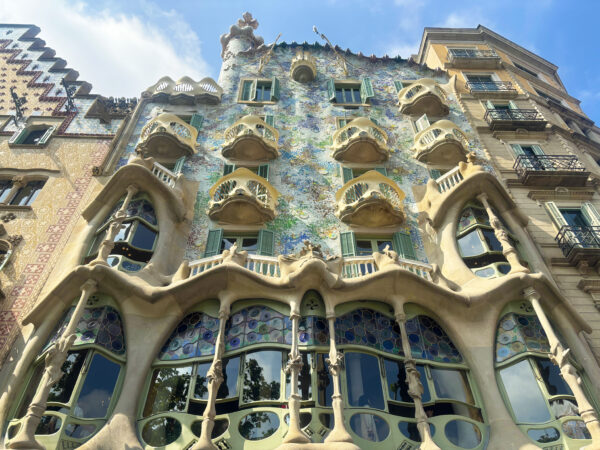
column 122, row 47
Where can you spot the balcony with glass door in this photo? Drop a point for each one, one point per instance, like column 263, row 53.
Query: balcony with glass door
column 472, row 58
column 251, row 139
column 167, row 137
column 441, row 143
column 424, row 96
column 360, row 141
column 504, row 118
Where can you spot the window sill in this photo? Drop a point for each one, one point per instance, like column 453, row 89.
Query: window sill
column 250, row 103
column 4, row 207
column 13, row 145
column 350, row 105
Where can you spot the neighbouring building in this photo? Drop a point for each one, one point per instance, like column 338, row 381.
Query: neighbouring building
column 320, row 249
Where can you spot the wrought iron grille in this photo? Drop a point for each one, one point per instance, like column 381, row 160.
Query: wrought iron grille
column 538, row 163
column 461, row 53
column 570, row 237
column 514, row 115
column 490, row 86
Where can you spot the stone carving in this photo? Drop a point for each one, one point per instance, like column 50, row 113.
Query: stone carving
column 244, row 31
column 332, row 265
column 110, row 108
column 14, row 239
column 386, row 258
column 8, row 217
column 247, row 20
column 232, row 255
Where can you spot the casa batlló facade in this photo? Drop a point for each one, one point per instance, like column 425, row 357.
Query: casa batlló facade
column 320, row 249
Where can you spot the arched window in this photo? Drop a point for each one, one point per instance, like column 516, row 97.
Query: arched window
column 377, row 403
column 540, row 402
column 80, row 403
column 479, row 248
column 136, row 240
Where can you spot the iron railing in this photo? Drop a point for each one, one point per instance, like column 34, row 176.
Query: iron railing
column 513, row 115
column 490, row 86
column 468, row 53
column 538, row 163
column 570, row 237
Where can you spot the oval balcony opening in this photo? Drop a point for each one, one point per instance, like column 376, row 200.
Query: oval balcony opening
column 441, row 143
column 371, row 200
column 304, row 67
column 242, row 197
column 167, row 137
column 424, row 96
column 251, row 139
column 360, row 141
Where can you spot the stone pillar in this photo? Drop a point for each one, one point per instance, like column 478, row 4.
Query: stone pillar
column 335, row 364
column 294, row 364
column 55, row 357
column 560, row 356
column 215, row 378
column 507, row 249
column 415, row 388
column 113, row 229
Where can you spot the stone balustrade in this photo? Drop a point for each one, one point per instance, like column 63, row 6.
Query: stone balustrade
column 251, row 139
column 167, row 137
column 360, row 141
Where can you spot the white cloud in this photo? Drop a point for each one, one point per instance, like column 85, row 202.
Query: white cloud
column 404, row 49
column 461, row 20
column 120, row 54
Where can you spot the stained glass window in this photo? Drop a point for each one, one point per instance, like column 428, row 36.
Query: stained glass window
column 313, row 331
column 194, row 336
column 257, row 325
column 369, row 328
column 519, row 333
column 429, row 341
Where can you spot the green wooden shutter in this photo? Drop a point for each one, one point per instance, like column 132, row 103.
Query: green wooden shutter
column 253, row 90
column 516, row 148
column 372, row 119
column 403, row 245
column 196, row 121
column 422, row 123
column 228, row 168
column 331, row 89
column 435, row 173
column 489, row 105
column 18, row 137
column 347, row 173
column 46, row 135
column 178, row 167
column 263, row 171
column 266, row 240
column 591, row 214
column 342, row 123
column 246, row 90
column 269, row 120
column 366, row 90
column 348, row 243
column 555, row 214
column 381, row 170
column 398, row 85
column 275, row 88
column 213, row 243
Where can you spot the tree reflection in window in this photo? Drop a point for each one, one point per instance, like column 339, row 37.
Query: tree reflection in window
column 168, row 390
column 258, row 425
column 262, row 376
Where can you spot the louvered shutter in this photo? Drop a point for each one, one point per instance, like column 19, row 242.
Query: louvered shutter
column 381, row 170
column 196, row 121
column 348, row 243
column 178, row 167
column 516, row 148
column 228, row 168
column 422, row 123
column 253, row 90
column 374, row 120
column 489, row 105
column 347, row 173
column 511, row 105
column 46, row 135
column 555, row 214
column 275, row 88
column 213, row 243
column 591, row 214
column 366, row 90
column 266, row 240
column 435, row 173
column 17, row 137
column 270, row 120
column 403, row 245
column 398, row 85
column 263, row 171
column 331, row 89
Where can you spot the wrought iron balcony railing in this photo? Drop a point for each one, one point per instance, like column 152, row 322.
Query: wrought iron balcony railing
column 423, row 96
column 570, row 239
column 510, row 119
column 490, row 86
column 529, row 163
column 468, row 53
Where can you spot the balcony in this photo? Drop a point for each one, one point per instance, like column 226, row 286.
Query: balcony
column 551, row 170
column 513, row 119
column 580, row 244
column 304, row 67
column 251, row 139
column 167, row 137
column 491, row 89
column 424, row 96
column 360, row 141
column 467, row 58
column 371, row 200
column 441, row 143
column 242, row 197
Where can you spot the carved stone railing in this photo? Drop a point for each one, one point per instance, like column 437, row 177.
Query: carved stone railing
column 164, row 174
column 360, row 141
column 185, row 90
column 304, row 67
column 250, row 138
column 167, row 136
column 449, row 180
column 359, row 266
column 441, row 143
column 264, row 265
column 424, row 96
column 242, row 197
column 371, row 200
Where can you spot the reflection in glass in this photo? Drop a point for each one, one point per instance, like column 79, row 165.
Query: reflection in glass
column 324, row 381
column 524, row 394
column 168, row 390
column 544, row 435
column 381, row 245
column 161, row 431
column 470, row 244
column 411, row 431
column 305, row 419
column 463, row 434
column 363, row 248
column 98, row 388
column 370, row 427
column 220, row 427
column 262, row 376
column 304, row 378
column 259, row 425
column 231, row 369
column 551, row 374
column 576, row 429
column 491, row 240
column 201, row 388
column 79, row 431
column 364, row 380
column 144, row 237
column 48, row 425
column 452, row 384
column 61, row 391
column 564, row 407
column 395, row 376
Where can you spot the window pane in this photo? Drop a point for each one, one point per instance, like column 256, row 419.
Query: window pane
column 61, row 391
column 227, row 243
column 491, row 240
column 363, row 247
column 524, row 394
column 266, row 96
column 564, row 407
column 382, row 244
column 324, row 381
column 395, row 376
column 246, row 90
column 250, row 245
column 123, row 232
column 27, row 194
column 452, row 384
column 356, row 96
column 34, row 136
column 144, row 237
column 98, row 388
column 348, row 96
column 339, row 95
column 551, row 375
column 364, row 381
column 370, row 427
column 470, row 244
column 231, row 370
column 262, row 376
column 168, row 390
column 5, row 187
column 201, row 388
column 304, row 378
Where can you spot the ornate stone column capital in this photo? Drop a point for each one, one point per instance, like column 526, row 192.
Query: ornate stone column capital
column 531, row 294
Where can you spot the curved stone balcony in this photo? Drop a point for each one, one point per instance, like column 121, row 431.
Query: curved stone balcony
column 185, row 91
column 304, row 67
column 371, row 200
column 251, row 139
column 441, row 143
column 424, row 96
column 360, row 141
column 242, row 197
column 167, row 137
